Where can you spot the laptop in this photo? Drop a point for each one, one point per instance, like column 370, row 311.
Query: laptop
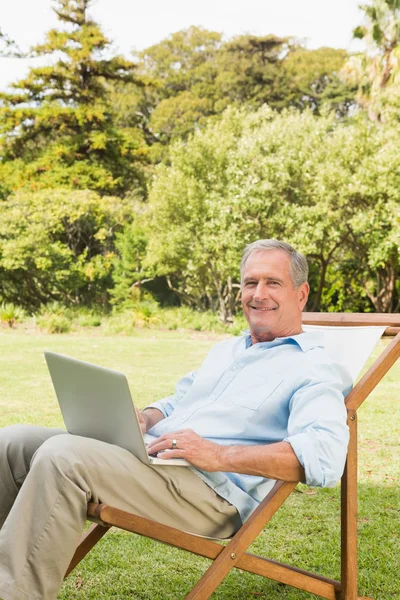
column 96, row 402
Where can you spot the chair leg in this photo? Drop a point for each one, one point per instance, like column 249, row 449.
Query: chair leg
column 231, row 554
column 349, row 516
column 89, row 539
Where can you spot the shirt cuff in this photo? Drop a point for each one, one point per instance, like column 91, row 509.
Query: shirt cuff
column 159, row 406
column 316, row 475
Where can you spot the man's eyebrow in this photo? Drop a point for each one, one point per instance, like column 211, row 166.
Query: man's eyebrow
column 269, row 278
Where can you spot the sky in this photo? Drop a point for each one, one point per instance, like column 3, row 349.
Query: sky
column 138, row 25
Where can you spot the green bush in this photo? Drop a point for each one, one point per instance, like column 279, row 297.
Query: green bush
column 119, row 323
column 54, row 318
column 53, row 323
column 59, row 244
column 10, row 314
column 89, row 320
column 84, row 317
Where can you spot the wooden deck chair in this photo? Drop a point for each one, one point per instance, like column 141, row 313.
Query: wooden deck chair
column 234, row 554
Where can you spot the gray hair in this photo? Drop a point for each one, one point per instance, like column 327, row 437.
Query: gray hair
column 298, row 262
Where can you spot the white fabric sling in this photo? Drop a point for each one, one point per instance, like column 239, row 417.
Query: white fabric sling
column 349, row 346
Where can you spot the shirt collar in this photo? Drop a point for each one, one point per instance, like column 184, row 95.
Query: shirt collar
column 306, row 340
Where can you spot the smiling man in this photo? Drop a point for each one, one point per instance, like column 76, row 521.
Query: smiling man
column 274, row 290
column 264, row 406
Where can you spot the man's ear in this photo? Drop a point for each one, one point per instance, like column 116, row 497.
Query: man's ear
column 304, row 290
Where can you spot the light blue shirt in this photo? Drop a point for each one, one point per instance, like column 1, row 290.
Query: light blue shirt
column 287, row 389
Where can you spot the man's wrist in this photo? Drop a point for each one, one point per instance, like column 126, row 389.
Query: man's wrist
column 146, row 418
column 222, row 457
column 151, row 416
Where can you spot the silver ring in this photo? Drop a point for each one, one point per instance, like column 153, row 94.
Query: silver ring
column 174, row 445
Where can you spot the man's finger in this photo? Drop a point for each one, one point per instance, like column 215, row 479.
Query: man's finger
column 159, row 445
column 168, row 453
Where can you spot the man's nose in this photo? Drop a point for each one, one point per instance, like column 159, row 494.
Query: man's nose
column 261, row 291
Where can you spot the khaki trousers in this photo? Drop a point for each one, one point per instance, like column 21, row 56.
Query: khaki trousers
column 47, row 477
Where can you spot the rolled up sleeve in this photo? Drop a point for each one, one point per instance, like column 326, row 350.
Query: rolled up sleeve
column 317, row 427
column 167, row 405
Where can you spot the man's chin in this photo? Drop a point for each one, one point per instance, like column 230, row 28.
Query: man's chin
column 263, row 333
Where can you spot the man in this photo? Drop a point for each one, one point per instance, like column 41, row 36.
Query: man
column 268, row 405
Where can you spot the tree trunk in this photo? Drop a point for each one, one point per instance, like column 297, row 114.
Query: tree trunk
column 229, row 300
column 317, row 300
column 384, row 300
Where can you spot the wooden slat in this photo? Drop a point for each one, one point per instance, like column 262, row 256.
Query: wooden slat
column 390, row 320
column 233, row 551
column 392, row 331
column 111, row 516
column 88, row 540
column 374, row 375
column 349, row 515
column 288, row 575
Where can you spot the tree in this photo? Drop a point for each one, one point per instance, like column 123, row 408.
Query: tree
column 59, row 245
column 313, row 80
column 131, row 244
column 183, row 61
column 179, row 75
column 8, row 47
column 57, row 127
column 180, row 115
column 376, row 72
column 249, row 71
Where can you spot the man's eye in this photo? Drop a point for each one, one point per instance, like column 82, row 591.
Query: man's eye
column 249, row 283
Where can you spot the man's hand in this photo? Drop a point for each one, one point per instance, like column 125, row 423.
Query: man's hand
column 189, row 445
column 142, row 420
column 148, row 417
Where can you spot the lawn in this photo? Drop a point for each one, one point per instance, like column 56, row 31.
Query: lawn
column 305, row 533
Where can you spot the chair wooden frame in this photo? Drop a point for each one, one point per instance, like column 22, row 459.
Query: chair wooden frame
column 234, row 553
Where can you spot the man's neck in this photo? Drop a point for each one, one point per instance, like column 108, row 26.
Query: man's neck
column 270, row 337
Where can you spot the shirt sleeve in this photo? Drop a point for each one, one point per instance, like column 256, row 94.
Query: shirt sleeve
column 317, row 426
column 167, row 405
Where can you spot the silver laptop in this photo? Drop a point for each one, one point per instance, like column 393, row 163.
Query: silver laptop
column 96, row 402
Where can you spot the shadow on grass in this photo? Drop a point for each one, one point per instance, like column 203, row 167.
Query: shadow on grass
column 305, row 533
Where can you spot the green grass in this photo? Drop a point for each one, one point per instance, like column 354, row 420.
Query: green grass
column 305, row 532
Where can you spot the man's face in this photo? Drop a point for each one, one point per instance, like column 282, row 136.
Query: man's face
column 271, row 305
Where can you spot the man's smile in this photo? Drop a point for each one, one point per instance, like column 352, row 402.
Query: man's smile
column 262, row 308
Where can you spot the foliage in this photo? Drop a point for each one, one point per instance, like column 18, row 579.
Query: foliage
column 182, row 68
column 49, row 322
column 8, row 47
column 55, row 317
column 131, row 245
column 376, row 72
column 57, row 126
column 249, row 69
column 254, row 139
column 313, row 80
column 193, row 76
column 59, row 244
column 10, row 314
column 293, row 176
